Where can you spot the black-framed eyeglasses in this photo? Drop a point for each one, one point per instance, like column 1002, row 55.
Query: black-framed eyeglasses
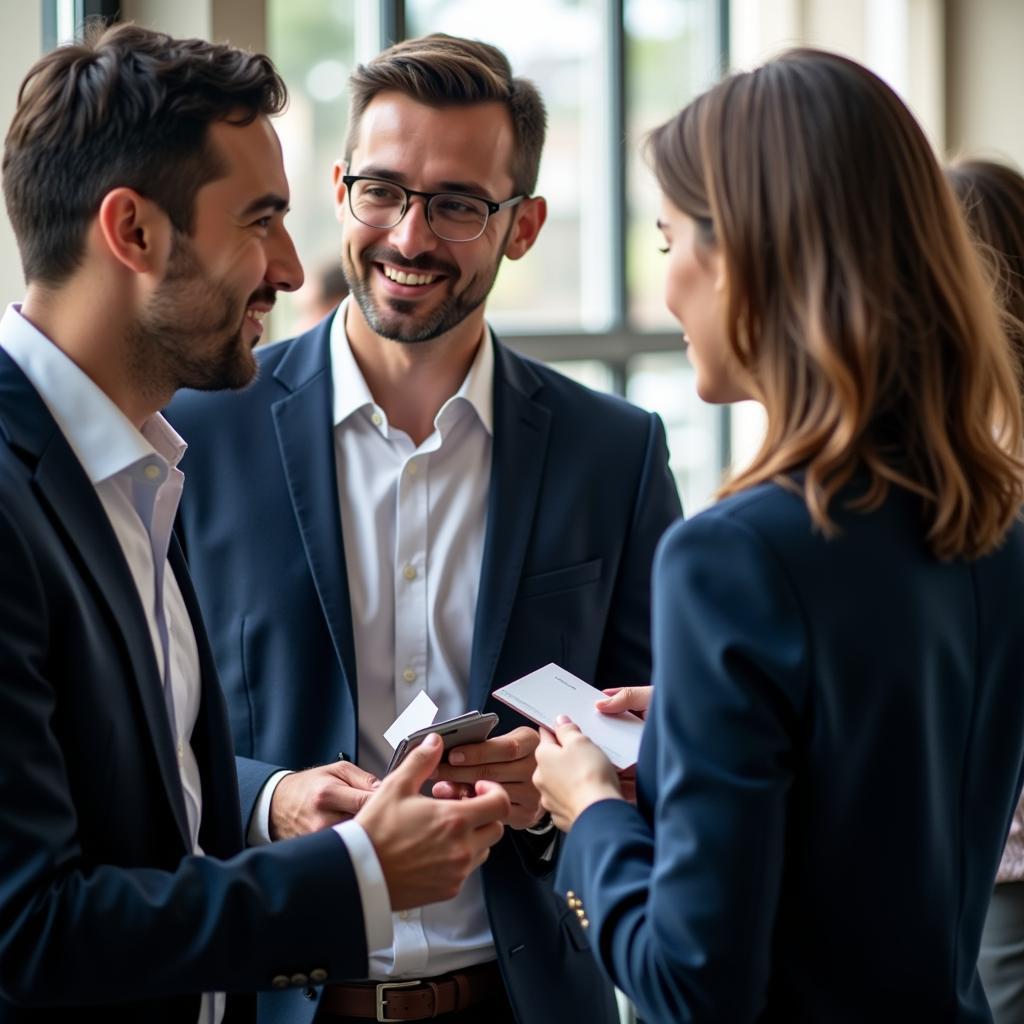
column 452, row 216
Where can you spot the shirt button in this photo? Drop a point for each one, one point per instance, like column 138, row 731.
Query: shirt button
column 376, row 419
column 409, row 675
column 181, row 751
column 411, row 469
column 409, row 572
column 404, row 915
column 152, row 471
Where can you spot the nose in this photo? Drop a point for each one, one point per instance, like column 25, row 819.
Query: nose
column 412, row 235
column 284, row 271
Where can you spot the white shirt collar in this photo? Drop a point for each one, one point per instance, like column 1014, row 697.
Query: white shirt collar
column 101, row 436
column 352, row 394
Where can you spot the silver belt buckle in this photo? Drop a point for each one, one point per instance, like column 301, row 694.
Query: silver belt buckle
column 383, row 986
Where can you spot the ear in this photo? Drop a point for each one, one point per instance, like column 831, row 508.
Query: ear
column 337, row 171
column 134, row 231
column 718, row 268
column 530, row 216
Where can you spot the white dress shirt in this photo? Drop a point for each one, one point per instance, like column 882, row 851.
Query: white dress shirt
column 138, row 482
column 413, row 520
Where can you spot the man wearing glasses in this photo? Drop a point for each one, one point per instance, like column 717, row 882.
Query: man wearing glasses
column 401, row 504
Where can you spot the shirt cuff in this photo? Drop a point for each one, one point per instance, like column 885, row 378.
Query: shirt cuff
column 259, row 820
column 545, row 827
column 373, row 889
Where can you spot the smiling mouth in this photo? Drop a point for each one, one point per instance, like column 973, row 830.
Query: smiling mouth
column 409, row 278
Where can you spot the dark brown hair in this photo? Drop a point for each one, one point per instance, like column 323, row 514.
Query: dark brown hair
column 992, row 197
column 125, row 107
column 441, row 70
column 857, row 309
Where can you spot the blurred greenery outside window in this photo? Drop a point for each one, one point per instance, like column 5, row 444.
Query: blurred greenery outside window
column 588, row 297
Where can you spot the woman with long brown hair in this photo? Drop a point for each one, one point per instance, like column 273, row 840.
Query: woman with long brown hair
column 835, row 743
column 992, row 197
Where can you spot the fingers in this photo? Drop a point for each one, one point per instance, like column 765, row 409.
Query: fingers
column 451, row 790
column 491, row 803
column 513, row 746
column 352, row 774
column 566, row 729
column 624, row 698
column 410, row 776
column 513, row 771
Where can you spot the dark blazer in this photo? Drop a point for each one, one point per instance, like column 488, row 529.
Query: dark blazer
column 580, row 494
column 826, row 779
column 103, row 910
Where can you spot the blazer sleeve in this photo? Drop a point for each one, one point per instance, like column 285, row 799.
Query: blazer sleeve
column 77, row 932
column 625, row 657
column 682, row 902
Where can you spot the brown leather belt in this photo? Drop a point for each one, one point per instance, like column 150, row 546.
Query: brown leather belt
column 414, row 1000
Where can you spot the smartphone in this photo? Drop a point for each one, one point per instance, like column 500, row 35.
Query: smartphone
column 472, row 727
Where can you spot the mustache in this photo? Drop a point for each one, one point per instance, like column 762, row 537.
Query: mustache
column 265, row 293
column 424, row 264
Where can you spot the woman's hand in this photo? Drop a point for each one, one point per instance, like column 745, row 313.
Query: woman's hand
column 572, row 773
column 626, row 698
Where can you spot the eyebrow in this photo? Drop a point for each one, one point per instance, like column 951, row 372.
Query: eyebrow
column 269, row 201
column 467, row 187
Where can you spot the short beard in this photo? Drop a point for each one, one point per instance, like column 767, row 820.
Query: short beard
column 190, row 334
column 399, row 326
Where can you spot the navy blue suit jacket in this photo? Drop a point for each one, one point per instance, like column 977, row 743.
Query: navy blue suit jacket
column 103, row 909
column 580, row 495
column 826, row 779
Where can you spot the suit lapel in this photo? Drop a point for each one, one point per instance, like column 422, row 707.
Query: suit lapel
column 521, row 427
column 65, row 490
column 305, row 436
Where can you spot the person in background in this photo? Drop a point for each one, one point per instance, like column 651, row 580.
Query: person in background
column 402, row 504
column 321, row 295
column 125, row 894
column 835, row 742
column 992, row 196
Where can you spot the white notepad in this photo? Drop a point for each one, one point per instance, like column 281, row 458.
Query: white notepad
column 552, row 691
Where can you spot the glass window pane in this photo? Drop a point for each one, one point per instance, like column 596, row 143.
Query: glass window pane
column 313, row 43
column 663, row 382
column 553, row 286
column 592, row 373
column 672, row 54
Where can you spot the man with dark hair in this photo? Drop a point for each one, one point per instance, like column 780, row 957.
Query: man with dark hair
column 145, row 184
column 402, row 504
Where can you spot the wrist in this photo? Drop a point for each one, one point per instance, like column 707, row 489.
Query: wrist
column 589, row 795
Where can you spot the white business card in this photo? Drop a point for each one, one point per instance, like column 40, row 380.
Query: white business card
column 419, row 713
column 552, row 691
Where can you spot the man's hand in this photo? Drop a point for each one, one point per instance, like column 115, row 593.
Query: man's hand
column 311, row 800
column 572, row 773
column 427, row 848
column 508, row 760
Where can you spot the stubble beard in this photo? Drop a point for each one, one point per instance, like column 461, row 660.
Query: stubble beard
column 190, row 335
column 397, row 321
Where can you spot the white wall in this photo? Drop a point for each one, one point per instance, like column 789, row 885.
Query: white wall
column 985, row 80
column 21, row 42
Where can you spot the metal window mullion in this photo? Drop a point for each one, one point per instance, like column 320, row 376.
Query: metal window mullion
column 615, row 50
column 392, row 22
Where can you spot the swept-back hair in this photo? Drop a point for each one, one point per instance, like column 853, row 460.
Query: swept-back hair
column 857, row 308
column 441, row 71
column 124, row 107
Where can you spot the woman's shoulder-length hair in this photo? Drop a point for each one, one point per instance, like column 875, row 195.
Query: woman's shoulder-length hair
column 857, row 310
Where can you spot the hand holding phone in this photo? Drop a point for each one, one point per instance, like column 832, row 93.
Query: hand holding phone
column 472, row 727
